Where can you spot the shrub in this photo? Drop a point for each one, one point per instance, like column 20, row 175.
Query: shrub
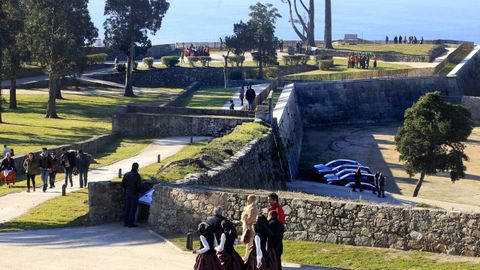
column 235, row 75
column 236, row 60
column 148, row 61
column 296, row 59
column 323, row 57
column 250, row 73
column 205, row 60
column 121, row 68
column 96, row 59
column 326, row 64
column 271, row 72
column 170, row 61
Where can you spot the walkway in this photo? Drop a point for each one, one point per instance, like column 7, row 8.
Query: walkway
column 236, row 97
column 109, row 246
column 16, row 204
column 391, row 198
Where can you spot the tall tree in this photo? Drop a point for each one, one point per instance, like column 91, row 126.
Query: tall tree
column 59, row 33
column 127, row 28
column 328, row 25
column 431, row 138
column 307, row 31
column 262, row 19
column 17, row 51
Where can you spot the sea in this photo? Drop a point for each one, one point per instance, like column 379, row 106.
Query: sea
column 208, row 20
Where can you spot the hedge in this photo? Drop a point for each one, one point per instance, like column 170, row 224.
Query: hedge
column 96, row 59
column 148, row 61
column 326, row 64
column 205, row 60
column 170, row 61
column 296, row 59
column 236, row 60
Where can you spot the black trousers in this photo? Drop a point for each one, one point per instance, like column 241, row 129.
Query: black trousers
column 32, row 178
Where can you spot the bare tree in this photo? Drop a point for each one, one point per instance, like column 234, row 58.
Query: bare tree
column 307, row 31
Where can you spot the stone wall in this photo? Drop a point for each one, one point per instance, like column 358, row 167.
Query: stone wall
column 182, row 96
column 105, row 202
column 290, row 126
column 468, row 76
column 388, row 56
column 180, row 209
column 179, row 76
column 257, row 165
column 91, row 146
column 365, row 100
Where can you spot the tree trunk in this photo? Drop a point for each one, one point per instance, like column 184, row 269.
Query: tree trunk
column 419, row 184
column 225, row 69
column 13, row 92
column 311, row 25
column 260, row 64
column 58, row 89
column 328, row 24
column 129, row 71
column 52, row 93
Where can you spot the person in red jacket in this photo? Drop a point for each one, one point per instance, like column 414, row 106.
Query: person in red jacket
column 275, row 206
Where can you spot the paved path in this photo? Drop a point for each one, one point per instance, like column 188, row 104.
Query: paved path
column 391, row 198
column 109, row 246
column 16, row 204
column 236, row 97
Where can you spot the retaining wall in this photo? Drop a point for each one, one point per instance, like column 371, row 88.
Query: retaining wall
column 181, row 209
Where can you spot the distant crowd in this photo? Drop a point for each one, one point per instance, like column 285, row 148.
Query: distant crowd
column 362, row 60
column 194, row 51
column 47, row 164
column 404, row 40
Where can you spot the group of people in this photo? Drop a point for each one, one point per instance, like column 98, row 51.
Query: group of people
column 379, row 183
column 404, row 40
column 263, row 237
column 47, row 165
column 194, row 51
column 362, row 60
column 249, row 95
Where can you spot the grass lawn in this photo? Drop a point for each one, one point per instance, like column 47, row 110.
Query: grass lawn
column 118, row 149
column 360, row 258
column 212, row 98
column 341, row 69
column 407, row 49
column 63, row 211
column 82, row 117
column 455, row 61
column 178, row 166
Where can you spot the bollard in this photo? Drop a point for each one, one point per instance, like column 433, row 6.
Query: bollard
column 64, row 190
column 191, row 139
column 158, row 158
column 189, row 241
column 119, row 173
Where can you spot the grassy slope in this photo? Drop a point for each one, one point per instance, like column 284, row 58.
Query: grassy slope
column 455, row 61
column 216, row 148
column 407, row 49
column 82, row 117
column 360, row 258
column 209, row 98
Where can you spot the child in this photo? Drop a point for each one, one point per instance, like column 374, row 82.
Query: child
column 232, row 105
column 226, row 254
column 206, row 257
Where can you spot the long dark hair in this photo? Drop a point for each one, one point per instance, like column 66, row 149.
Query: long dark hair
column 261, row 226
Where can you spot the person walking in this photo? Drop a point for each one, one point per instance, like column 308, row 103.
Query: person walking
column 68, row 161
column 131, row 183
column 382, row 183
column 275, row 241
column 5, row 151
column 375, row 60
column 8, row 170
column 45, row 167
column 242, row 95
column 249, row 216
column 55, row 168
column 358, row 179
column 386, row 40
column 250, row 96
column 275, row 206
column 206, row 256
column 215, row 222
column 32, row 168
column 227, row 255
column 83, row 164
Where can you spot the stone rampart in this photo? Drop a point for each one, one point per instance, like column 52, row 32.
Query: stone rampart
column 257, row 165
column 180, row 209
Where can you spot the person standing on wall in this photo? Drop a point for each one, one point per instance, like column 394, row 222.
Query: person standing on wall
column 131, row 183
column 250, row 96
column 45, row 167
column 32, row 168
column 275, row 206
column 83, row 164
